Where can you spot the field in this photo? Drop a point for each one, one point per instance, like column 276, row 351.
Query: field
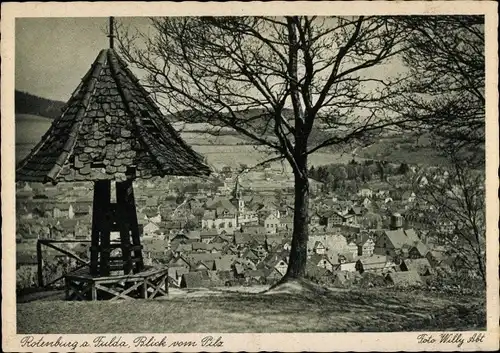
column 225, row 150
column 221, row 310
column 230, row 149
column 407, row 149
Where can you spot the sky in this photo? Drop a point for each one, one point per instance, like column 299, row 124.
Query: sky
column 53, row 54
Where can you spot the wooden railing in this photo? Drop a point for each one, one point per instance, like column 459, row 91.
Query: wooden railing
column 51, row 244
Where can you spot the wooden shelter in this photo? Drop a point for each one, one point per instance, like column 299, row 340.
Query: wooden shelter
column 111, row 131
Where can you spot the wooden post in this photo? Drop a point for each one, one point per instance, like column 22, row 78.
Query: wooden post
column 101, row 216
column 106, row 228
column 96, row 230
column 134, row 228
column 39, row 261
column 66, row 288
column 127, row 195
column 145, row 289
column 123, row 220
column 93, row 291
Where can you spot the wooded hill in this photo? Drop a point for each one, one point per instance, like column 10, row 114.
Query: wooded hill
column 26, row 103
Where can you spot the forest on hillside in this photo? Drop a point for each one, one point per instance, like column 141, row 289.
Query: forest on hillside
column 26, row 103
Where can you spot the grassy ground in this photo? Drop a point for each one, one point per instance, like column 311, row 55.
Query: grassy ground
column 230, row 311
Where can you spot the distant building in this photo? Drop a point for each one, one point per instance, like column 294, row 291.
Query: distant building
column 365, row 193
column 271, row 223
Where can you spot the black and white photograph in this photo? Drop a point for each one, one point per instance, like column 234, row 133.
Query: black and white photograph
column 251, row 173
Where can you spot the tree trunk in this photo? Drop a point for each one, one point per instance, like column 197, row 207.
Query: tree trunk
column 298, row 252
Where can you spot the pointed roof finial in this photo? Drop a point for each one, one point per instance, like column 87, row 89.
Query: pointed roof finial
column 111, row 35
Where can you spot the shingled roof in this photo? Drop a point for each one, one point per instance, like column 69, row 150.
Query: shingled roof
column 110, row 129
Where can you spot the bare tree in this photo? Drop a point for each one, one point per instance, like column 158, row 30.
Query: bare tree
column 457, row 195
column 277, row 81
column 446, row 88
column 445, row 57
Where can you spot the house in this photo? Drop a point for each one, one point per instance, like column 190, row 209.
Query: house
column 225, row 262
column 204, row 265
column 208, row 235
column 421, row 266
column 321, row 261
column 357, row 213
column 175, row 273
column 352, row 248
column 220, row 215
column 375, row 264
column 178, row 237
column 157, row 247
column 272, row 275
column 241, row 266
column 281, row 266
column 180, row 248
column 193, row 235
column 314, row 220
column 199, row 279
column 404, row 279
column 252, row 255
column 366, row 246
column 223, row 239
column 332, row 218
column 436, row 257
column 180, row 261
column 150, row 229
column 391, row 242
column 287, row 222
column 272, row 241
column 346, row 265
column 207, row 258
column 319, row 248
column 255, row 276
column 418, row 251
column 257, row 230
column 365, row 192
column 270, row 222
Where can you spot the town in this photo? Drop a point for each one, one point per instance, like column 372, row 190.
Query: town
column 235, row 228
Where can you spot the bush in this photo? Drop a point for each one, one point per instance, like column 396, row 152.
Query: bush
column 454, row 282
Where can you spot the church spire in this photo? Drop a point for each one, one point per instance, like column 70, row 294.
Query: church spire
column 237, row 189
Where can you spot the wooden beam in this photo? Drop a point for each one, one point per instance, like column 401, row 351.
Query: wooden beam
column 68, row 253
column 65, row 275
column 134, row 225
column 39, row 262
column 105, row 226
column 44, row 241
column 158, row 282
column 96, row 227
column 124, row 224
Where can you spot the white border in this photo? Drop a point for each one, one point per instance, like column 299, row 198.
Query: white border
column 254, row 342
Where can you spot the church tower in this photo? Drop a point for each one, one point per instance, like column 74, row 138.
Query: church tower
column 237, row 199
